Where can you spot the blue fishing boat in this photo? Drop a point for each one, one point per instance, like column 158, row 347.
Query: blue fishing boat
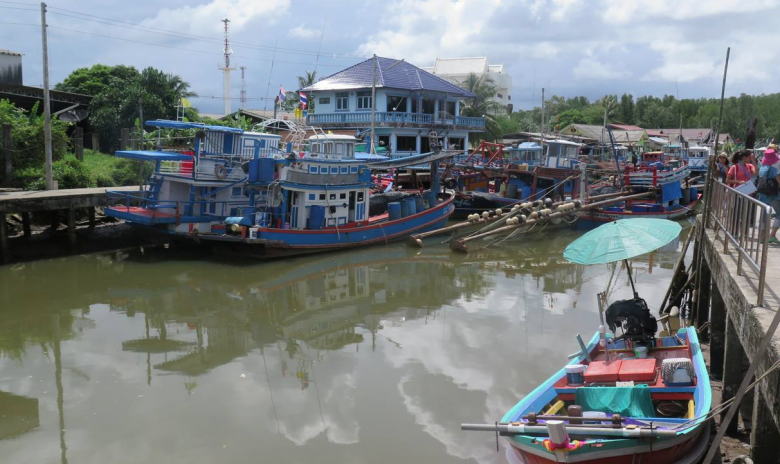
column 240, row 191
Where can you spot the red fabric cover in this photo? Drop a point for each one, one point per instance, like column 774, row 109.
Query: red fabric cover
column 638, row 370
column 600, row 371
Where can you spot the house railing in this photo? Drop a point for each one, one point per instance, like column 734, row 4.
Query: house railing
column 391, row 117
column 745, row 224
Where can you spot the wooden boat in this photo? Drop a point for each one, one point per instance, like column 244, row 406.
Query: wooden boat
column 657, row 420
column 241, row 192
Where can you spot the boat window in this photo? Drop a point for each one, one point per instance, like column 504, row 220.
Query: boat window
column 554, row 150
column 332, row 196
column 342, row 196
column 295, row 198
column 353, row 169
column 360, row 196
column 339, row 148
column 322, row 196
column 350, row 150
column 312, row 196
column 342, row 221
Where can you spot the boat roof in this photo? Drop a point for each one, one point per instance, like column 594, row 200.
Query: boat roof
column 564, row 142
column 341, row 137
column 698, row 148
column 526, row 146
column 191, row 125
column 150, row 155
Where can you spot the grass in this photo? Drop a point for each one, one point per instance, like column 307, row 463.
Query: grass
column 110, row 171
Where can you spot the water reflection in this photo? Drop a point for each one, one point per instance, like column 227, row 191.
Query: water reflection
column 370, row 349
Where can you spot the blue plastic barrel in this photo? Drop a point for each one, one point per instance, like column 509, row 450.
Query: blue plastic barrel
column 694, row 194
column 404, row 208
column 526, row 193
column 411, row 206
column 430, row 198
column 394, row 210
column 316, row 217
column 418, row 204
column 511, row 191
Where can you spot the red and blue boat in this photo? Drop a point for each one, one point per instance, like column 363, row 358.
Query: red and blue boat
column 241, row 192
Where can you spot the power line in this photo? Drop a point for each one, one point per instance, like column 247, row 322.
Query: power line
column 17, row 8
column 20, row 24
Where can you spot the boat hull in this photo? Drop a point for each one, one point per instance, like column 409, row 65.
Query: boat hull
column 599, row 216
column 274, row 243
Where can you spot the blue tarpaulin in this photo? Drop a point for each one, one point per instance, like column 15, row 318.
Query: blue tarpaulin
column 191, row 125
column 671, row 191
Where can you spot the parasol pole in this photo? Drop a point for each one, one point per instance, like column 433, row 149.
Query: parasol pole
column 631, row 279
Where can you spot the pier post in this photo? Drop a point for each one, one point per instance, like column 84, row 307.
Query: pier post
column 72, row 228
column 717, row 332
column 96, row 142
column 703, row 306
column 3, row 239
column 7, row 148
column 732, row 371
column 764, row 437
column 26, row 225
column 78, row 143
column 91, row 212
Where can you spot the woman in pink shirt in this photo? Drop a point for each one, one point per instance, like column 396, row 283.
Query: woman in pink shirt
column 741, row 170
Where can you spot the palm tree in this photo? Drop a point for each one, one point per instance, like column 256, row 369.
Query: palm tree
column 179, row 86
column 482, row 105
column 307, row 80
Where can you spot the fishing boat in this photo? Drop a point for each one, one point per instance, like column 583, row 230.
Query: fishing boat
column 627, row 398
column 243, row 194
column 499, row 176
column 697, row 159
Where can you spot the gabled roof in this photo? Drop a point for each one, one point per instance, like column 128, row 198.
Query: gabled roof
column 9, row 52
column 698, row 133
column 624, row 127
column 402, row 76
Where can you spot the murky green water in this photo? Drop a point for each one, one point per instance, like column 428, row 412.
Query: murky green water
column 371, row 356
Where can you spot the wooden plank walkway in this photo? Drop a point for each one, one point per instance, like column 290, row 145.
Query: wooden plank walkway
column 22, row 201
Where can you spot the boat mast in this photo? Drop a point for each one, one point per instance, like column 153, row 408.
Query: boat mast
column 373, row 106
column 541, row 138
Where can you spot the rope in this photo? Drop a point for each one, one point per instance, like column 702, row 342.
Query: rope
column 726, row 404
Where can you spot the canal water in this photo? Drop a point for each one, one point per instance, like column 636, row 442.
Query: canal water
column 370, row 356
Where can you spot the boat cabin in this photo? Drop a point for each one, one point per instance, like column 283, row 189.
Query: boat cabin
column 332, row 146
column 526, row 153
column 562, row 154
column 675, row 151
column 697, row 158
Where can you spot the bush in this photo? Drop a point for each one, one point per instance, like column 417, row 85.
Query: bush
column 69, row 173
column 110, row 171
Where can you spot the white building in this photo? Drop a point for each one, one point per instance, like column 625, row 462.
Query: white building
column 456, row 70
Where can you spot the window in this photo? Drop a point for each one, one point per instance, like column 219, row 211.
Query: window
column 334, row 170
column 342, row 196
column 406, row 143
column 451, row 108
column 364, row 100
column 342, row 221
column 353, row 169
column 360, row 196
column 322, row 196
column 342, row 101
column 324, row 100
column 236, row 192
column 312, row 196
column 396, row 104
column 332, row 196
column 428, row 105
column 344, row 170
column 295, row 198
column 498, row 95
column 313, row 169
column 456, row 143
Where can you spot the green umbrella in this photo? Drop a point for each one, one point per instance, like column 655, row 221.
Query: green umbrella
column 621, row 240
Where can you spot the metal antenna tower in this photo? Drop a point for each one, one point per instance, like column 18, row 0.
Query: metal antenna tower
column 226, row 69
column 243, row 87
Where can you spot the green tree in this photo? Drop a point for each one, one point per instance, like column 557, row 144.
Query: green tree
column 627, row 109
column 307, row 80
column 482, row 105
column 567, row 117
column 93, row 80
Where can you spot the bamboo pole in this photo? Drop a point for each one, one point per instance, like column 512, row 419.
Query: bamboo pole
column 416, row 239
column 680, row 262
column 460, row 245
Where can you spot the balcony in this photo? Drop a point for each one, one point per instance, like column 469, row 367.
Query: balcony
column 392, row 119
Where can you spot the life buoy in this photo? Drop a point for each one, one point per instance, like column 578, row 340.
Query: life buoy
column 220, row 171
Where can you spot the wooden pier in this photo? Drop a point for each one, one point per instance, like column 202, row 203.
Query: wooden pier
column 25, row 202
column 739, row 282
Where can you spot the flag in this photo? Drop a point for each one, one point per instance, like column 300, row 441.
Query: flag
column 298, row 113
column 281, row 94
column 304, row 100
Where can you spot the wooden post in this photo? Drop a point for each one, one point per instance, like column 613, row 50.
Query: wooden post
column 732, row 371
column 124, row 139
column 717, row 332
column 764, row 437
column 72, row 228
column 3, row 239
column 26, row 224
column 96, row 142
column 91, row 212
column 78, row 143
column 703, row 307
column 9, row 160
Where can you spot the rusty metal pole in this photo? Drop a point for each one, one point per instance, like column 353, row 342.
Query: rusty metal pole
column 7, row 148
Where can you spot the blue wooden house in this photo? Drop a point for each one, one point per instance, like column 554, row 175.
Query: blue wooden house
column 409, row 103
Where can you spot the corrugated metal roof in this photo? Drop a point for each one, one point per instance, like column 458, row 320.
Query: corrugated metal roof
column 460, row 65
column 402, row 75
column 9, row 52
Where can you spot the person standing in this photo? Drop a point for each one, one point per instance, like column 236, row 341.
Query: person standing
column 722, row 169
column 741, row 171
column 768, row 191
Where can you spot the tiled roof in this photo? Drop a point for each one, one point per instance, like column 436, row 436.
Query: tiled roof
column 460, row 65
column 403, row 76
column 624, row 127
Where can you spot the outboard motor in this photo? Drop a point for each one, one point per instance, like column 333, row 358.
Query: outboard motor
column 634, row 318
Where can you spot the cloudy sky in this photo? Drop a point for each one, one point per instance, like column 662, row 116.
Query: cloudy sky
column 570, row 47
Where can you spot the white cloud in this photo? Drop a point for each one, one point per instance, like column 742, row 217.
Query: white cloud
column 644, row 10
column 206, row 18
column 564, row 9
column 303, row 32
column 682, row 62
column 591, row 68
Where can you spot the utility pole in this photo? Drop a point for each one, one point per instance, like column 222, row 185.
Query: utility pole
column 542, row 132
column 226, row 70
column 140, row 124
column 373, row 106
column 46, row 102
column 243, row 88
